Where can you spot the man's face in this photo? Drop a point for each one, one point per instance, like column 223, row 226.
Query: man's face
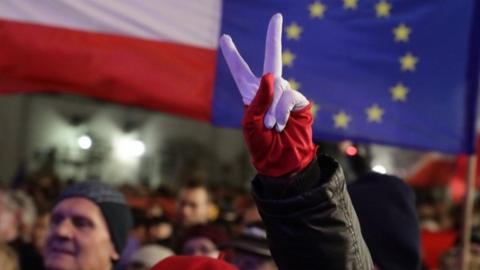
column 78, row 238
column 193, row 205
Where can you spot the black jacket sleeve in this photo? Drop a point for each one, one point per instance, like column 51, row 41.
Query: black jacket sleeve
column 310, row 220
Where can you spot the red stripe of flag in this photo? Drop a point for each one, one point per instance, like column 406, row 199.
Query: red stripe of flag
column 169, row 77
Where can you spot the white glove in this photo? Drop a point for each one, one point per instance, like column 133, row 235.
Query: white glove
column 285, row 99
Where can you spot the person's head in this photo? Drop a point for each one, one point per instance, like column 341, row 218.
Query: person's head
column 159, row 229
column 9, row 217
column 193, row 204
column 139, row 230
column 385, row 208
column 27, row 214
column 8, row 258
column 250, row 249
column 251, row 261
column 203, row 240
column 40, row 230
column 89, row 227
column 147, row 256
column 453, row 257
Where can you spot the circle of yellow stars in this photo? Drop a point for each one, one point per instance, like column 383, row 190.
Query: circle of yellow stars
column 401, row 34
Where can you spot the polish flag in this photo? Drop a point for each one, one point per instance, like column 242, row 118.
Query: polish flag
column 157, row 54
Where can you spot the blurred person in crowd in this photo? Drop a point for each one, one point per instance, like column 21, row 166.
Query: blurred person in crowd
column 11, row 216
column 193, row 204
column 452, row 259
column 250, row 249
column 426, row 207
column 147, row 256
column 251, row 215
column 388, row 220
column 160, row 231
column 136, row 238
column 40, row 231
column 202, row 240
column 8, row 258
column 89, row 228
column 8, row 217
column 27, row 214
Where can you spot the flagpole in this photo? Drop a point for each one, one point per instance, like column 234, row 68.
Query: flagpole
column 468, row 211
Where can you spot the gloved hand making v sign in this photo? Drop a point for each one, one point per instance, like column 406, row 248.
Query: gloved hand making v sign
column 277, row 122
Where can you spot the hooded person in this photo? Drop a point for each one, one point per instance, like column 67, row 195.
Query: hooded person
column 89, row 227
column 389, row 222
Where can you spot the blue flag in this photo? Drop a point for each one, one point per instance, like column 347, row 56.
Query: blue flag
column 402, row 73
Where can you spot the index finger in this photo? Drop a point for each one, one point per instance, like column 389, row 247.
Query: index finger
column 238, row 67
column 273, row 47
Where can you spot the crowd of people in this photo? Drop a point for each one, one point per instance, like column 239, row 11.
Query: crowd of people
column 199, row 220
column 193, row 221
column 299, row 214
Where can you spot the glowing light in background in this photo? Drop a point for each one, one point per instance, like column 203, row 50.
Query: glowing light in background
column 130, row 148
column 84, row 142
column 379, row 169
column 351, row 150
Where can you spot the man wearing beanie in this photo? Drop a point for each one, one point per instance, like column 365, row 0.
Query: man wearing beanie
column 89, row 227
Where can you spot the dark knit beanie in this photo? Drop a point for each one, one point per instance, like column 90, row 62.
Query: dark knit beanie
column 385, row 206
column 112, row 204
column 252, row 240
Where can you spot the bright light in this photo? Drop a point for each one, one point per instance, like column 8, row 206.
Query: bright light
column 351, row 150
column 129, row 148
column 84, row 142
column 379, row 169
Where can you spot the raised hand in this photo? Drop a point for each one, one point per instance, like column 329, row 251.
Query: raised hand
column 272, row 103
column 248, row 84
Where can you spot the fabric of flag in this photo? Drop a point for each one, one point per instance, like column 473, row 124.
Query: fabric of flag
column 158, row 54
column 403, row 72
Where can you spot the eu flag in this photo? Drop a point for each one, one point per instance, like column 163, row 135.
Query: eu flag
column 398, row 72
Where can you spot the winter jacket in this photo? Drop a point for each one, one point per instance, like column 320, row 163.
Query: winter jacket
column 310, row 220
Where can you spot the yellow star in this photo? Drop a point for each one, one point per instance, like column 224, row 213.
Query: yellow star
column 341, row 120
column 374, row 113
column 402, row 33
column 383, row 9
column 315, row 109
column 287, row 58
column 294, row 84
column 317, row 9
column 408, row 62
column 399, row 92
column 350, row 4
column 293, row 31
